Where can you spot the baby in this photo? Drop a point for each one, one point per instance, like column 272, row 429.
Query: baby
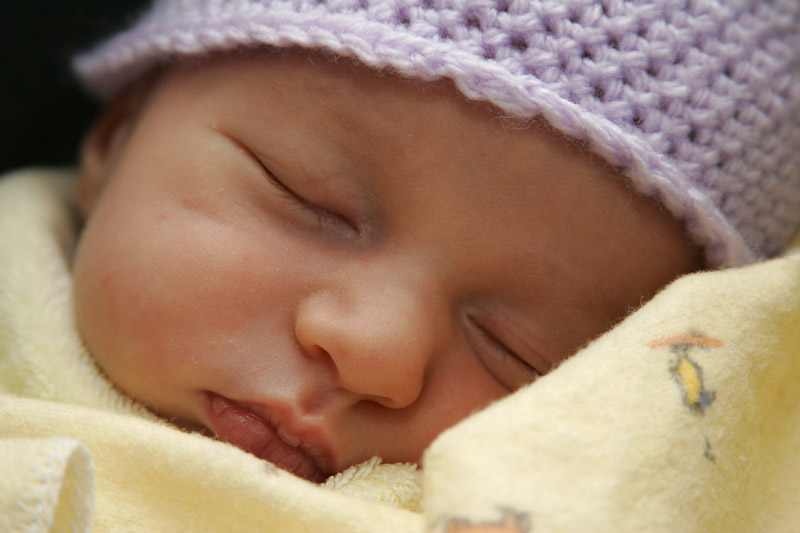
column 327, row 231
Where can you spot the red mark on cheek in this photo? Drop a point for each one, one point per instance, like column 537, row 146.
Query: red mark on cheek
column 190, row 204
column 105, row 283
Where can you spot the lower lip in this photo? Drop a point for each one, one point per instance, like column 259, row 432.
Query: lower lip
column 236, row 425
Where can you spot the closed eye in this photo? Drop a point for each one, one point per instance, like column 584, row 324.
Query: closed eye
column 325, row 218
column 502, row 362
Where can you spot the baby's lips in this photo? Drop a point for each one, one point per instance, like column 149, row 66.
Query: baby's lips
column 237, row 425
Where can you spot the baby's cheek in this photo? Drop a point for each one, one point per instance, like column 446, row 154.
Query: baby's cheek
column 182, row 301
column 124, row 305
column 124, row 338
column 188, row 301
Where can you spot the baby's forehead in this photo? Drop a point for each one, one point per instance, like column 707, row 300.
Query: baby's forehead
column 358, row 99
column 377, row 118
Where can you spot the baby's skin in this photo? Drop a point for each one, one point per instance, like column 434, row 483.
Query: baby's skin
column 319, row 263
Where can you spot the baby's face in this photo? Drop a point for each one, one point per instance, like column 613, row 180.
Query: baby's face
column 319, row 265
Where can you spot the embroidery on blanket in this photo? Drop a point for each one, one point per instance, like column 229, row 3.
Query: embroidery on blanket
column 686, row 371
column 707, row 453
column 688, row 374
column 511, row 522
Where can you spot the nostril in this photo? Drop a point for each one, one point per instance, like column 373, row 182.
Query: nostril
column 387, row 401
column 318, row 353
column 398, row 393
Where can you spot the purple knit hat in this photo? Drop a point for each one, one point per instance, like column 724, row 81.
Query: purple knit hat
column 698, row 101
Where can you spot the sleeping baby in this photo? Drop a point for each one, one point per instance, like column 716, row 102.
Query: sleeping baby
column 319, row 264
column 327, row 231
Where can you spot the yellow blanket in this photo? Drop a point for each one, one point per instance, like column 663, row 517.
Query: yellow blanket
column 685, row 417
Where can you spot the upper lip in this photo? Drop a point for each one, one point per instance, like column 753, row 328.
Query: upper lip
column 289, row 428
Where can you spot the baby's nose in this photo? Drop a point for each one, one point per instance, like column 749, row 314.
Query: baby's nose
column 380, row 342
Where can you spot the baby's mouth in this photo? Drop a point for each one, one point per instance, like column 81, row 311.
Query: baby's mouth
column 237, row 424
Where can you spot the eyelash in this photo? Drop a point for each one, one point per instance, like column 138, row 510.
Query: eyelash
column 506, row 352
column 499, row 346
column 324, row 217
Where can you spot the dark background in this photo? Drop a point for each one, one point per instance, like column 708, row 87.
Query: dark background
column 43, row 109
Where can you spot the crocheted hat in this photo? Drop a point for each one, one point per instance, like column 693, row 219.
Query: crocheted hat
column 698, row 101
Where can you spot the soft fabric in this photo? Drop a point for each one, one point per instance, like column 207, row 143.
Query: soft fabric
column 684, row 417
column 45, row 485
column 697, row 101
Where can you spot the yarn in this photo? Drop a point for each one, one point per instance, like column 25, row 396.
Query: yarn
column 696, row 101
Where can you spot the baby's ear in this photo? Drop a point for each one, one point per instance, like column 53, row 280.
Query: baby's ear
column 104, row 143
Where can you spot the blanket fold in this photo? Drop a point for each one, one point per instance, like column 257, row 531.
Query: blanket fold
column 152, row 477
column 46, row 485
column 684, row 417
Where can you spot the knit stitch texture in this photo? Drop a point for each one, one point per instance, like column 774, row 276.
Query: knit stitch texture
column 697, row 101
